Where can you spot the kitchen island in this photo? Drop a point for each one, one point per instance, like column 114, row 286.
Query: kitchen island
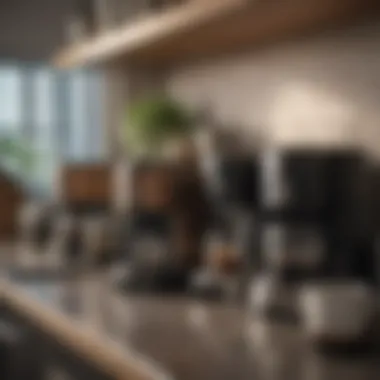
column 130, row 337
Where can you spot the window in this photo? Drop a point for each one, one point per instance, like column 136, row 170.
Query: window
column 43, row 107
column 10, row 98
column 59, row 113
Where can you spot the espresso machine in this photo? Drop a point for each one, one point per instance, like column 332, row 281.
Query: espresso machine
column 163, row 229
column 232, row 191
column 312, row 224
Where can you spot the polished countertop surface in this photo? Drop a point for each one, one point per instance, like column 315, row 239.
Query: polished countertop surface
column 145, row 337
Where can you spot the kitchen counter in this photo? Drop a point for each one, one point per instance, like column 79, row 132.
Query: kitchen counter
column 144, row 337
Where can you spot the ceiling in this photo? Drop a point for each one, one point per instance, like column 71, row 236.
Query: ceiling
column 32, row 30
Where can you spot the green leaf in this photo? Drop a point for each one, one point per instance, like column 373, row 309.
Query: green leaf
column 15, row 153
column 153, row 120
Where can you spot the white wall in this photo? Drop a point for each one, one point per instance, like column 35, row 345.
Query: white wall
column 324, row 89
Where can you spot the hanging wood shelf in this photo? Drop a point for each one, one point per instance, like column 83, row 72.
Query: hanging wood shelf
column 203, row 29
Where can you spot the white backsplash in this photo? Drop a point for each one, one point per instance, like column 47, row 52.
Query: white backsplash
column 322, row 90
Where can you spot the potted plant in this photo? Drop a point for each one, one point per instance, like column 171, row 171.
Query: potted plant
column 155, row 125
column 16, row 156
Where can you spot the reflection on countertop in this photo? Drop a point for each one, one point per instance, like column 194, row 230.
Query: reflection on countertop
column 183, row 337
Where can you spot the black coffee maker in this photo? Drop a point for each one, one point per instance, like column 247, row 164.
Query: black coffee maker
column 233, row 194
column 239, row 194
column 163, row 229
column 313, row 222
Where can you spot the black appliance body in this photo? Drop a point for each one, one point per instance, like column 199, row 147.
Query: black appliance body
column 320, row 196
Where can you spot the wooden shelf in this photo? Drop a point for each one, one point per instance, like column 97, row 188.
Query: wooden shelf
column 206, row 28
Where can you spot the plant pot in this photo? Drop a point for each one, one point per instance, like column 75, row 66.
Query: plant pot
column 181, row 150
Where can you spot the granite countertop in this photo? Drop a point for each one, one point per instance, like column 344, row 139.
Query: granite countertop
column 145, row 337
